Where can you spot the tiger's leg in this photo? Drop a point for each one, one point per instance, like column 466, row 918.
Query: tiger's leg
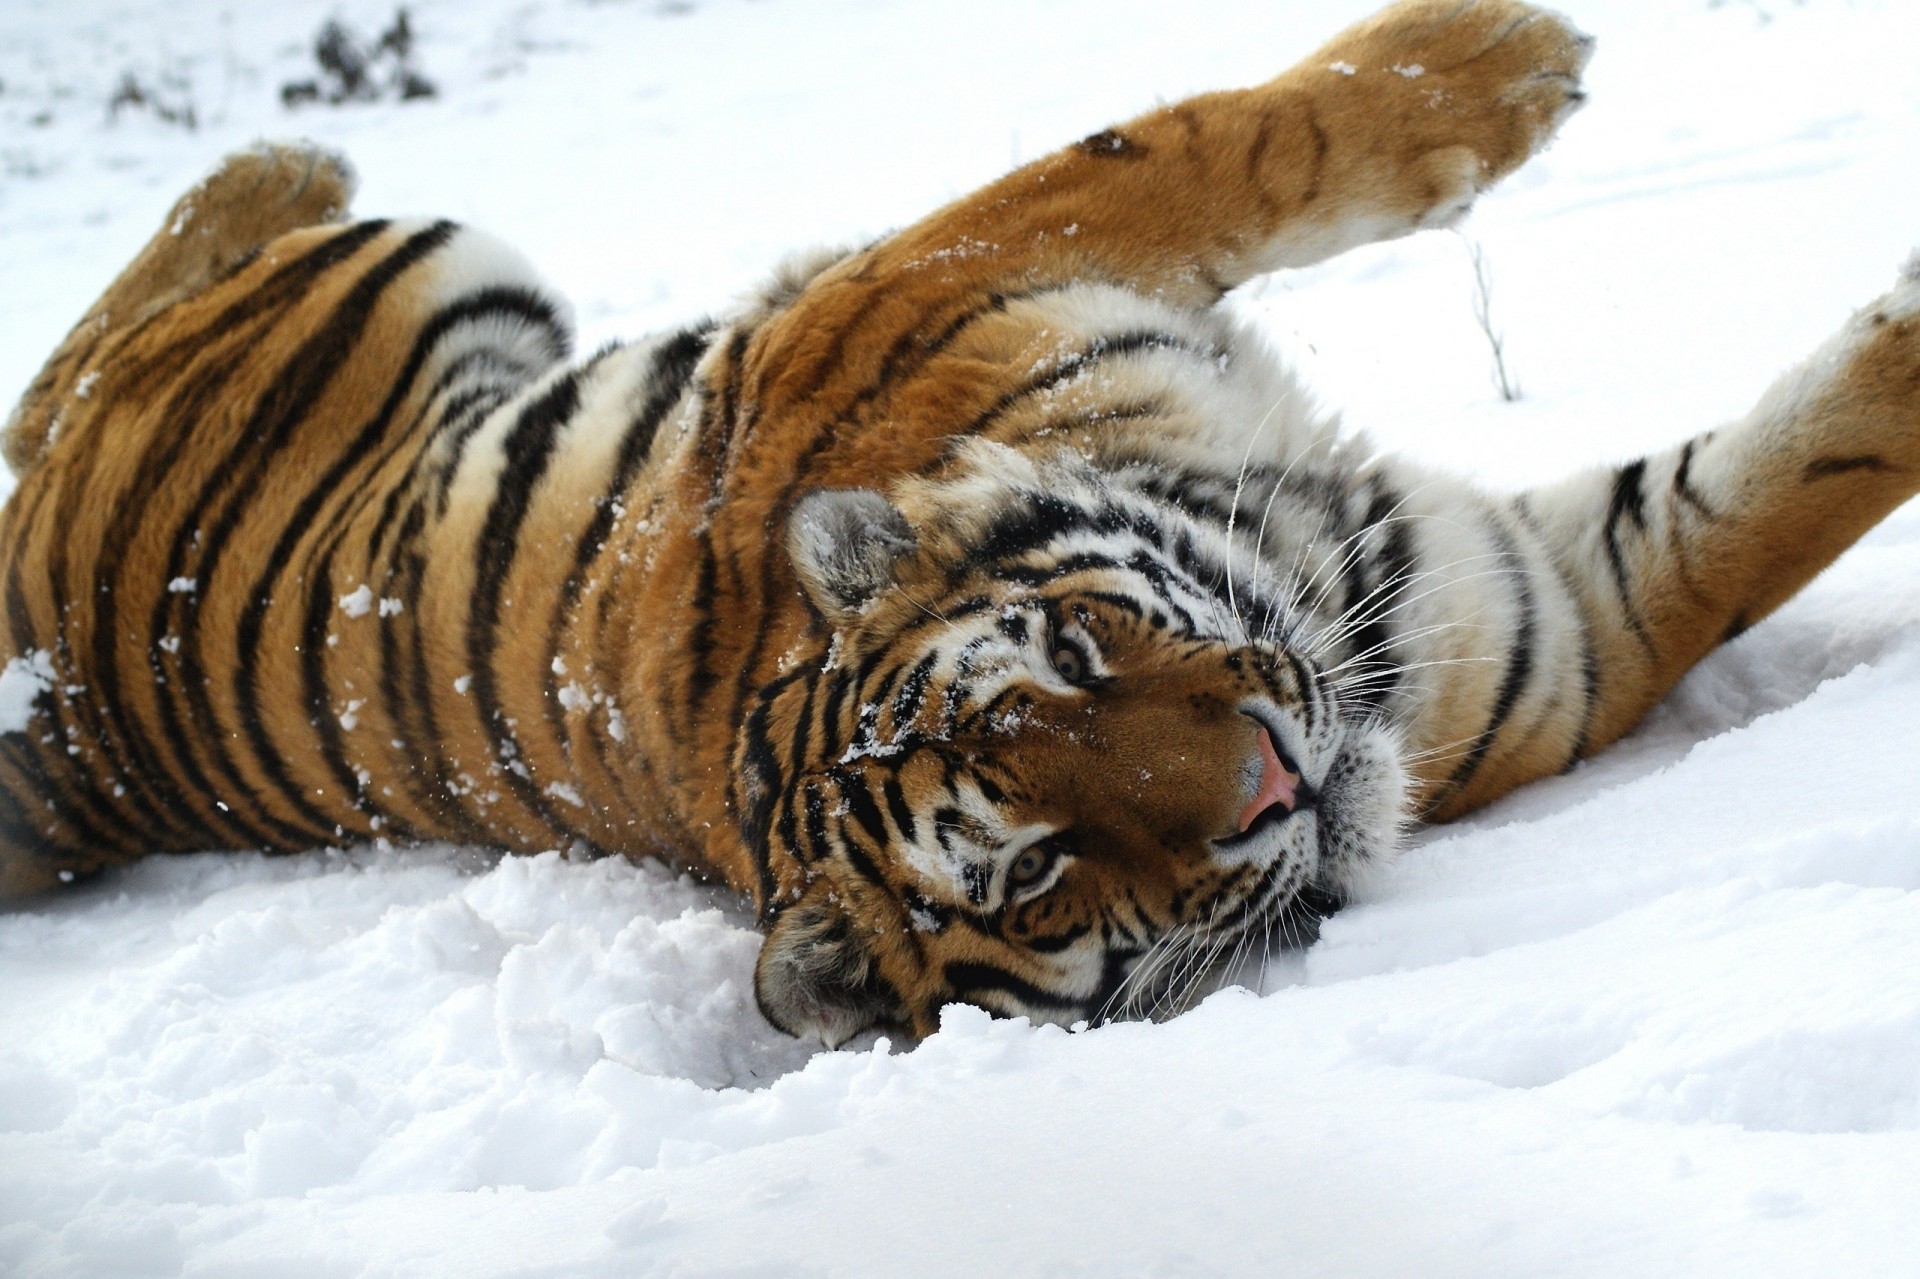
column 1669, row 556
column 254, row 196
column 1395, row 124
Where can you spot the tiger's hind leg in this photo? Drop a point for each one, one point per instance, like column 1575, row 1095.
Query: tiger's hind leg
column 254, row 196
column 1667, row 557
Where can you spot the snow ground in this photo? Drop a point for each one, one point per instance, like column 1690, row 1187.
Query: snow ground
column 1660, row 1016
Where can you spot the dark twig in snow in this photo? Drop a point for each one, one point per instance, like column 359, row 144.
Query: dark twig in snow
column 1508, row 385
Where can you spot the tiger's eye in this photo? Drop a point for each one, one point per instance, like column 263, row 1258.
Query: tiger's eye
column 1069, row 664
column 1028, row 867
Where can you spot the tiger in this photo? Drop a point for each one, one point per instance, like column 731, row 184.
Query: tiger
column 987, row 604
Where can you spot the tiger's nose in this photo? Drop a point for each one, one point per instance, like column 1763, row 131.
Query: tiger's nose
column 1278, row 783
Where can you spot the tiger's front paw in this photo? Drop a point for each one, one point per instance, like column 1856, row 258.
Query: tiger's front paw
column 1455, row 94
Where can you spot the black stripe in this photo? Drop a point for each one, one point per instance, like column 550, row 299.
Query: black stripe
column 964, row 978
column 1684, row 487
column 1590, row 693
column 1160, row 576
column 72, row 794
column 717, row 433
column 819, row 845
column 1589, row 658
column 837, row 689
column 1378, row 596
column 764, row 784
column 912, row 692
column 670, row 367
column 411, row 704
column 1821, row 467
column 974, row 876
column 897, row 806
column 1119, row 600
column 1306, row 681
column 946, row 615
column 528, row 448
column 860, row 806
column 700, row 677
column 1626, row 502
column 796, row 764
column 1100, row 349
column 428, row 736
column 1519, row 668
column 1054, row 570
column 1053, row 944
column 21, row 804
column 1040, row 519
column 855, row 859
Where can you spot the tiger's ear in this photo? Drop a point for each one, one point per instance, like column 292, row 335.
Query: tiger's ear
column 817, row 975
column 844, row 543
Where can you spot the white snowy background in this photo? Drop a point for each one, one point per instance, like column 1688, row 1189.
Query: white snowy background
column 1660, row 1016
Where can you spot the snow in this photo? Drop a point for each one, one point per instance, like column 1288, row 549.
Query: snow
column 1658, row 1016
column 358, row 602
column 23, row 680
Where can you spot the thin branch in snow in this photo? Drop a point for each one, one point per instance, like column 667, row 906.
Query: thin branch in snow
column 1509, row 386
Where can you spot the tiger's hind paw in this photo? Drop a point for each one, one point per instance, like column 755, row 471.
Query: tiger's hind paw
column 256, row 195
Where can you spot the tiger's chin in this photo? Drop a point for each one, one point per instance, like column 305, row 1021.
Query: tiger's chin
column 1363, row 809
column 1357, row 817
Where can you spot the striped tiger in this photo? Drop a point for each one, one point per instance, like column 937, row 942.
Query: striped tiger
column 985, row 603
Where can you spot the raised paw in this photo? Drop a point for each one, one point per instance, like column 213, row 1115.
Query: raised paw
column 254, row 196
column 1879, row 374
column 1848, row 418
column 1457, row 93
column 258, row 194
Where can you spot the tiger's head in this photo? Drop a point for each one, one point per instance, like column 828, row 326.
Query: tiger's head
column 1049, row 764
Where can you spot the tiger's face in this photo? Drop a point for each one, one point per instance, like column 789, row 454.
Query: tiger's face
column 1045, row 768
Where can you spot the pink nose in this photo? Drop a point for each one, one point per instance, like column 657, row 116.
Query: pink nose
column 1277, row 785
